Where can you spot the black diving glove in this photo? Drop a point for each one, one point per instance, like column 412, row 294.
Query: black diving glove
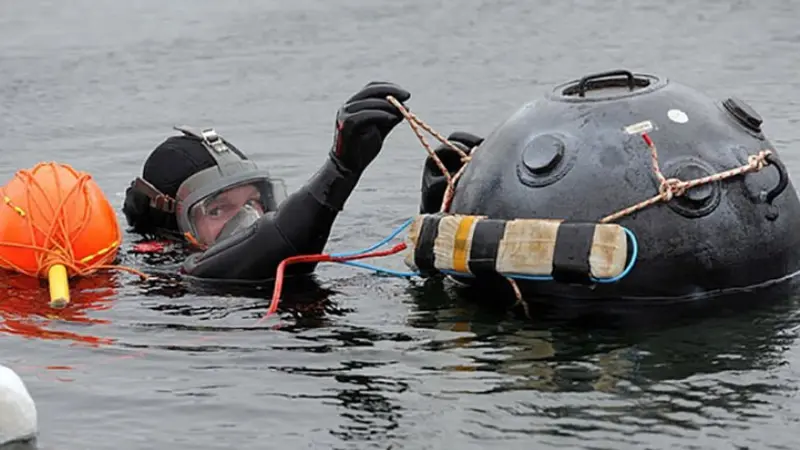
column 363, row 123
column 434, row 182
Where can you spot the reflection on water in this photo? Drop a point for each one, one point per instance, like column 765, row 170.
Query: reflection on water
column 25, row 307
column 568, row 375
column 548, row 380
column 660, row 378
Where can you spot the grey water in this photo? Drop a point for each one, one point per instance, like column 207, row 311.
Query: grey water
column 364, row 361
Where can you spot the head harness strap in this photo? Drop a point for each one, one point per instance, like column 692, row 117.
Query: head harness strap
column 215, row 147
column 212, row 142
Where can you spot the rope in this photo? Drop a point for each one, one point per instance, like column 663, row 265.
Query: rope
column 59, row 240
column 416, row 123
column 670, row 188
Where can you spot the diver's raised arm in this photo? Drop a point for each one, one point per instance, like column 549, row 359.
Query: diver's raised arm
column 302, row 222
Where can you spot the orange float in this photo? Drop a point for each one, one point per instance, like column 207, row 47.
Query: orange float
column 56, row 223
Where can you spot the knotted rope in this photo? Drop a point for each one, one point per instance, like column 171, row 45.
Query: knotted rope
column 670, row 188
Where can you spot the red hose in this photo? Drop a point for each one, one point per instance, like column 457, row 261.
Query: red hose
column 320, row 257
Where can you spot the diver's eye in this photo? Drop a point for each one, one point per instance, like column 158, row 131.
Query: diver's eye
column 222, row 210
column 255, row 204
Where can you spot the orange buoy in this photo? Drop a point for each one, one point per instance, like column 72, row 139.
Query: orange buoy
column 56, row 223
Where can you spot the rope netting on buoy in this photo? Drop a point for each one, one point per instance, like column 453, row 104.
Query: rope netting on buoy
column 56, row 223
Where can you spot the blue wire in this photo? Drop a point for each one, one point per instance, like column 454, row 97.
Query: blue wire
column 380, row 269
column 628, row 268
column 379, row 244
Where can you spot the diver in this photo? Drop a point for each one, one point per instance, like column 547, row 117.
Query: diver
column 199, row 189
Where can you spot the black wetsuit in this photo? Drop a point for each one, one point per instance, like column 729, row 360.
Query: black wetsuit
column 301, row 225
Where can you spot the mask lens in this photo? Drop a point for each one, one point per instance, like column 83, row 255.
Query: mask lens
column 246, row 216
column 238, row 204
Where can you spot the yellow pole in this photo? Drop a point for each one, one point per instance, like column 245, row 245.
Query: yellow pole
column 59, row 286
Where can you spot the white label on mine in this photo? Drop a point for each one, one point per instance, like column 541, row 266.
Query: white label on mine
column 639, row 128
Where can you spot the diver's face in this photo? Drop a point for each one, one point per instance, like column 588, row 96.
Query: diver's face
column 213, row 214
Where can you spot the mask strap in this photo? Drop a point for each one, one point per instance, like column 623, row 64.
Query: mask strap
column 212, row 142
column 158, row 200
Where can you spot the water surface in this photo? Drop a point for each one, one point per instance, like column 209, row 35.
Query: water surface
column 362, row 361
